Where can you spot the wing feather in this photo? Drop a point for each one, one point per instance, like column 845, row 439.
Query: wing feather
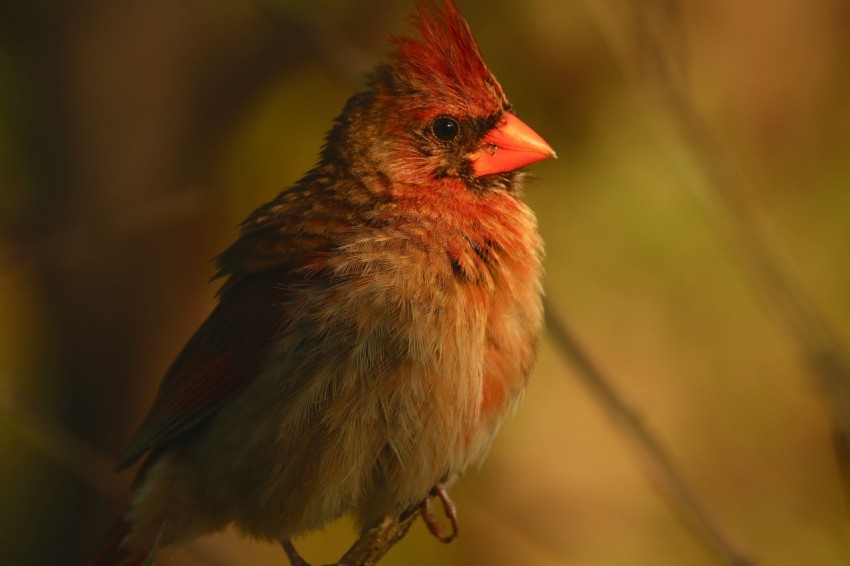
column 225, row 353
column 282, row 242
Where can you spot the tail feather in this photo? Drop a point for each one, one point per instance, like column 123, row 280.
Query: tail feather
column 113, row 552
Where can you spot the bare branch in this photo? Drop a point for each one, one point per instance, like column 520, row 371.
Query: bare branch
column 374, row 543
column 723, row 190
column 657, row 463
column 54, row 440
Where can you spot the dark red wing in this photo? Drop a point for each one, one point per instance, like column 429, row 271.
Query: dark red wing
column 222, row 357
column 229, row 349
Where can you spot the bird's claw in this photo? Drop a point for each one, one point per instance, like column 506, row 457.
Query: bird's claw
column 430, row 518
column 294, row 558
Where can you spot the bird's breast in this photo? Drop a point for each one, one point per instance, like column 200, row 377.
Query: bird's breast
column 396, row 359
column 461, row 313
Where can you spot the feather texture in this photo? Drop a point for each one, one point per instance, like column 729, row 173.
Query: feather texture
column 376, row 322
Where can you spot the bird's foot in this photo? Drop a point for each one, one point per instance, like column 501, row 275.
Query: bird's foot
column 294, row 558
column 430, row 518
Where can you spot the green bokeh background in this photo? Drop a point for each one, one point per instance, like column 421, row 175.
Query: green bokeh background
column 134, row 136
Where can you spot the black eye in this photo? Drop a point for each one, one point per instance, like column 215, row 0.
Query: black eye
column 445, row 128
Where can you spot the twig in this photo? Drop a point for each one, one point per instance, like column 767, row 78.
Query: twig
column 374, row 543
column 73, row 454
column 54, row 440
column 723, row 192
column 658, row 463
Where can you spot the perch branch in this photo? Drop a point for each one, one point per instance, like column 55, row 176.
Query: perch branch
column 377, row 541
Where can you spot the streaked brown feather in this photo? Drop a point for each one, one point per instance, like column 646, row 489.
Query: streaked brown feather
column 221, row 358
column 376, row 323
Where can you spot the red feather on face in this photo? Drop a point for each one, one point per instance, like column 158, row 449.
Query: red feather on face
column 377, row 320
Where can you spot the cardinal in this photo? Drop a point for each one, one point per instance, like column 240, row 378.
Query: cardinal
column 376, row 322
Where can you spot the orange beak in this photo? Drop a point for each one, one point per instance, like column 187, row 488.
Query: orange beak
column 508, row 146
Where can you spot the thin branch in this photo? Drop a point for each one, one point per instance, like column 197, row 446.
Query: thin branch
column 377, row 541
column 658, row 464
column 54, row 440
column 723, row 191
column 73, row 454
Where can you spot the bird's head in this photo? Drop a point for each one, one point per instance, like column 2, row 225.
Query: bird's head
column 435, row 111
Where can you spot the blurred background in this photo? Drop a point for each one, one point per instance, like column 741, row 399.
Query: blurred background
column 135, row 136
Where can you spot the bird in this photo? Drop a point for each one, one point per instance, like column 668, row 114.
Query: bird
column 376, row 322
